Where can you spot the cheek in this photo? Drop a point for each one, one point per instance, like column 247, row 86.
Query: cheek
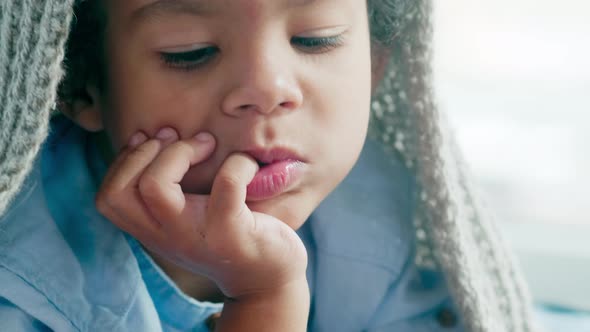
column 143, row 95
column 346, row 108
column 348, row 129
column 340, row 124
column 144, row 101
column 351, row 89
column 347, row 116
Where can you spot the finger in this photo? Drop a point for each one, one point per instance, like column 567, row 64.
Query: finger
column 118, row 194
column 160, row 182
column 135, row 140
column 133, row 220
column 134, row 159
column 228, row 195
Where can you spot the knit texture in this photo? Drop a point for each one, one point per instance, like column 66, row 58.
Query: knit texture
column 453, row 232
column 32, row 38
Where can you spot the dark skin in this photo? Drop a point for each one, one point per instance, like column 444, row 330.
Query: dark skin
column 204, row 289
column 194, row 285
column 243, row 101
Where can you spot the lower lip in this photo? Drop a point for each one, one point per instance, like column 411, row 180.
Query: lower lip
column 274, row 179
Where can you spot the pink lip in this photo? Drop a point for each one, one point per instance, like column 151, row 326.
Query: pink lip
column 282, row 169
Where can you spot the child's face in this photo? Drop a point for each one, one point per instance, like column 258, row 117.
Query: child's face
column 257, row 74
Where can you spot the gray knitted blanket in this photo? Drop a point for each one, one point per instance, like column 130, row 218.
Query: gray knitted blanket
column 452, row 231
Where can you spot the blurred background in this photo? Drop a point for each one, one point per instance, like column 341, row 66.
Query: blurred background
column 514, row 79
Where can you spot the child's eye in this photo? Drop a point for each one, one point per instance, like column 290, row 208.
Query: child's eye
column 189, row 60
column 317, row 45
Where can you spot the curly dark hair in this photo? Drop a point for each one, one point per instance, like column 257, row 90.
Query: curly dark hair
column 84, row 59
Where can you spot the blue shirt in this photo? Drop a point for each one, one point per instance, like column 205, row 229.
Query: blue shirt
column 65, row 267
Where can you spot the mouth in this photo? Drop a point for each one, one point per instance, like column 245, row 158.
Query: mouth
column 261, row 164
column 264, row 157
column 280, row 170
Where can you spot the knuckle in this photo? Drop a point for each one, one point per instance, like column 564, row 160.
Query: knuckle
column 110, row 198
column 105, row 203
column 228, row 182
column 183, row 147
column 144, row 152
column 149, row 186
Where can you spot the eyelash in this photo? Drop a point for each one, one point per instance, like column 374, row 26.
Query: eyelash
column 196, row 58
column 188, row 60
column 318, row 45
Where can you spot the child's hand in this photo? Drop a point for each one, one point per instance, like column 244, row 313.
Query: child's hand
column 216, row 235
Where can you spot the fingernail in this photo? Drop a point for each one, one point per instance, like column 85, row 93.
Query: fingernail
column 166, row 133
column 204, row 137
column 137, row 139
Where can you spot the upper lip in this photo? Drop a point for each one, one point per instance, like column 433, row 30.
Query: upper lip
column 271, row 155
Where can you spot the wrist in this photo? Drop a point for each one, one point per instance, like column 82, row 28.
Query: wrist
column 292, row 289
column 286, row 307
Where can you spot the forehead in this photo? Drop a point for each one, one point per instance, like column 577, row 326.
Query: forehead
column 145, row 9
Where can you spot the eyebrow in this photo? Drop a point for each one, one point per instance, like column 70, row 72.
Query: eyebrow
column 168, row 7
column 190, row 7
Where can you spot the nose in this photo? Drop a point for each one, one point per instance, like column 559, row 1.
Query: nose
column 261, row 85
